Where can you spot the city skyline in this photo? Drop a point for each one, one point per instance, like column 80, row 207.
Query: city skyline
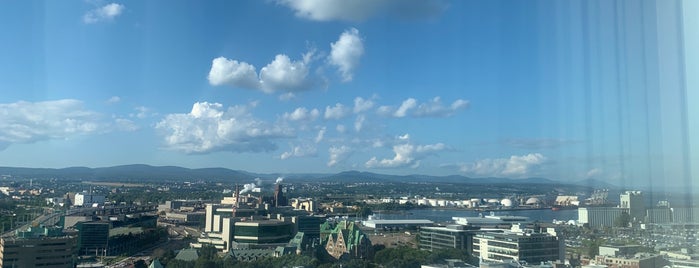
column 561, row 90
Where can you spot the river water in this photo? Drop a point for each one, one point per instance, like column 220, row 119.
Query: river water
column 444, row 215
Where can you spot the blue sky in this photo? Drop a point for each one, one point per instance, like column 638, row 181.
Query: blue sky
column 566, row 90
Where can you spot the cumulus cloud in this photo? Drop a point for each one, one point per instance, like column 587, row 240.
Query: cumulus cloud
column 302, row 114
column 336, row 112
column 433, row 108
column 28, row 122
column 282, row 74
column 231, row 72
column 405, row 155
column 305, row 150
column 209, row 127
column 406, row 106
column 358, row 10
column 346, row 52
column 338, row 154
column 341, row 128
column 361, row 105
column 514, row 166
column 104, row 13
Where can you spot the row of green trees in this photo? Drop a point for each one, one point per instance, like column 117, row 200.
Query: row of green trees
column 399, row 257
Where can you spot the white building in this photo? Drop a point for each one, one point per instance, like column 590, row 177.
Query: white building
column 596, row 217
column 518, row 245
column 490, row 220
column 87, row 199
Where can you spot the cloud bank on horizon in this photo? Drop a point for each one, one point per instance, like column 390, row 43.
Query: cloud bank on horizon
column 402, row 86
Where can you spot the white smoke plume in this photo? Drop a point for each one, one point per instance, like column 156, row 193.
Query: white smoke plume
column 258, row 182
column 247, row 187
column 279, row 180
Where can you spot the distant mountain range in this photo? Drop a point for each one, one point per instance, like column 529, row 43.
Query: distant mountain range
column 129, row 172
column 141, row 172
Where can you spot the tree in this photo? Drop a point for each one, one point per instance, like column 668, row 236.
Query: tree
column 365, row 211
column 163, row 255
column 591, row 246
column 401, row 257
column 208, row 253
column 623, row 220
column 140, row 264
column 180, row 264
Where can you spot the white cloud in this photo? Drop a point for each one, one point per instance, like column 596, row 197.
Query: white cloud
column 302, row 114
column 514, row 166
column 345, row 53
column 282, row 74
column 321, row 135
column 361, row 105
column 358, row 10
column 406, row 155
column 338, row 154
column 209, row 127
column 359, row 122
column 405, row 107
column 28, row 122
column 337, row 112
column 299, row 151
column 106, row 12
column 434, row 108
column 231, row 72
column 114, row 99
column 385, row 110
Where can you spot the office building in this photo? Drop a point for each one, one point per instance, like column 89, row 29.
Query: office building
column 640, row 260
column 518, row 245
column 490, row 220
column 263, row 232
column 38, row 247
column 618, row 250
column 451, row 236
column 309, row 225
column 633, row 202
column 88, row 199
column 93, row 237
